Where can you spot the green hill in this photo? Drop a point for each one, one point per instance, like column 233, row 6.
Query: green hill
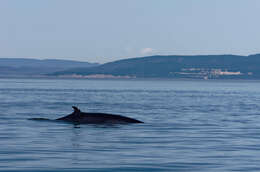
column 32, row 67
column 201, row 66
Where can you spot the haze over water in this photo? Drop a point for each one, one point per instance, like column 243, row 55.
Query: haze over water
column 189, row 125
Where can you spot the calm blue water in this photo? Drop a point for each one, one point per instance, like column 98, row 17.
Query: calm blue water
column 189, row 125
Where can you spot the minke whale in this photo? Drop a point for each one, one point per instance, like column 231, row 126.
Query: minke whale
column 78, row 117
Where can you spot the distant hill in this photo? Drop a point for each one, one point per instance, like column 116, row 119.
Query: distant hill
column 34, row 67
column 174, row 66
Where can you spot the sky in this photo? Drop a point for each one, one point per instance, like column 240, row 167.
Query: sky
column 107, row 30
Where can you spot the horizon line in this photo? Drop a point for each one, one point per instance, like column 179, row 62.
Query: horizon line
column 122, row 58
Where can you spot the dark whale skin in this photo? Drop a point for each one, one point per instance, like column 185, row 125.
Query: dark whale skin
column 79, row 117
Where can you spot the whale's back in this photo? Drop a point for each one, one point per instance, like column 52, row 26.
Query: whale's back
column 106, row 118
column 98, row 118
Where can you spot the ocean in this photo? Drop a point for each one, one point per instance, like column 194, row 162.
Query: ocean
column 198, row 125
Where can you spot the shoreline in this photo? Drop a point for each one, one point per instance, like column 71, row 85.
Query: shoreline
column 126, row 78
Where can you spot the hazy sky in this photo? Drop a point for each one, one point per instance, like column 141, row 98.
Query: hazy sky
column 107, row 30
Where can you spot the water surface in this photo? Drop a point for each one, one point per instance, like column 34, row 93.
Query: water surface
column 189, row 125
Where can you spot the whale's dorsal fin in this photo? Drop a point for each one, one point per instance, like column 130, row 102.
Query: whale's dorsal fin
column 76, row 110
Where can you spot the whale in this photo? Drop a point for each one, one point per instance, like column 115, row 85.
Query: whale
column 78, row 117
